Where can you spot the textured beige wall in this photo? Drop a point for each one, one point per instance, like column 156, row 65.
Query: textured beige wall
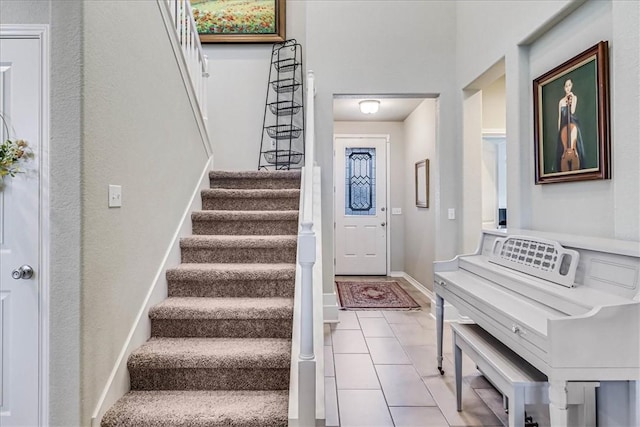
column 65, row 198
column 420, row 130
column 494, row 105
column 25, row 12
column 139, row 132
column 470, row 215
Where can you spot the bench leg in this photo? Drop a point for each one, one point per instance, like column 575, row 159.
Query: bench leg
column 516, row 408
column 458, row 368
column 439, row 330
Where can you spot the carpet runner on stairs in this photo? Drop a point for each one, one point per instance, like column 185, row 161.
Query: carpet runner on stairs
column 220, row 346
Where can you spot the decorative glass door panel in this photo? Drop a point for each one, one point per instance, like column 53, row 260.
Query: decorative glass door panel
column 360, row 182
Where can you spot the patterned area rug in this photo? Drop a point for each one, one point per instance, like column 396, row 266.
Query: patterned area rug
column 374, row 296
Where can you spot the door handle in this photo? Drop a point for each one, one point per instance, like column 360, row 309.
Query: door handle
column 25, row 272
column 383, row 224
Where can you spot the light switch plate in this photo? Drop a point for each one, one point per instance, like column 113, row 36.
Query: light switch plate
column 115, row 196
column 452, row 213
column 396, row 211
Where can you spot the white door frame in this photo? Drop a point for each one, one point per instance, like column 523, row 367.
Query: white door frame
column 41, row 32
column 388, row 185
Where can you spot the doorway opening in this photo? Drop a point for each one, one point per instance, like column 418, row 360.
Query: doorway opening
column 484, row 156
column 408, row 124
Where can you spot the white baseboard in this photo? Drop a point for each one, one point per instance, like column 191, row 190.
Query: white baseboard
column 118, row 383
column 419, row 286
column 330, row 307
column 450, row 312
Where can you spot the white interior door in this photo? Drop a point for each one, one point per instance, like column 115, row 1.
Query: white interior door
column 361, row 206
column 20, row 104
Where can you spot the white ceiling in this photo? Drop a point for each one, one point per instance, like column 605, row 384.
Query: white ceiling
column 391, row 109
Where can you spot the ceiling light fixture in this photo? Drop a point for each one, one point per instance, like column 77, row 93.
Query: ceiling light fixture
column 369, row 106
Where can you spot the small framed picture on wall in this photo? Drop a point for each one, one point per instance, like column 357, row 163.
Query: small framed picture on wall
column 422, row 183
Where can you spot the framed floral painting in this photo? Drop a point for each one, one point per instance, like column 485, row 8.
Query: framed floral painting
column 571, row 119
column 240, row 21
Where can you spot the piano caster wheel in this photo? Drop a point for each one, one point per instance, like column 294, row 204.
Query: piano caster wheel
column 441, row 371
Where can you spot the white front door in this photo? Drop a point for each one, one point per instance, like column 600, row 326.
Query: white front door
column 20, row 105
column 361, row 205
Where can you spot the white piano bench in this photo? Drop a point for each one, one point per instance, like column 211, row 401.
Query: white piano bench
column 516, row 379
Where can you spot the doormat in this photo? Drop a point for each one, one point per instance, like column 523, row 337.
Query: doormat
column 374, row 296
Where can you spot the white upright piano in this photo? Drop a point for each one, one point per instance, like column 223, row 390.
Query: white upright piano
column 569, row 305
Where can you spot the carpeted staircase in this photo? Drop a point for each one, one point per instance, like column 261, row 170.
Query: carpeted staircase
column 220, row 346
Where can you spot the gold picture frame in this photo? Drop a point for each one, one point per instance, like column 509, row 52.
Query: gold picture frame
column 240, row 21
column 422, row 183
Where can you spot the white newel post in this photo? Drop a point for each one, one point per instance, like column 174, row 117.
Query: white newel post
column 307, row 256
column 307, row 259
column 306, row 362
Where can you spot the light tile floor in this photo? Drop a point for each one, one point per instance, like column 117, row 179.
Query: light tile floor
column 380, row 370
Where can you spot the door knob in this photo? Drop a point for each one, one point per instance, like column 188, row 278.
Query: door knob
column 24, row 272
column 383, row 224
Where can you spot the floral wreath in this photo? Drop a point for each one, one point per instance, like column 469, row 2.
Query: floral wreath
column 12, row 153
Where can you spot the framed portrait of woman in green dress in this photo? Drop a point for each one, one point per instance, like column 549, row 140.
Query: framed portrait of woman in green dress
column 571, row 119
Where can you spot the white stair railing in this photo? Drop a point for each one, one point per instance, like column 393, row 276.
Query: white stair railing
column 307, row 259
column 306, row 400
column 179, row 15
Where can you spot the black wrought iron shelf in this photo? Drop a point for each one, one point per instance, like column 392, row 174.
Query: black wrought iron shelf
column 282, row 143
column 279, row 157
column 285, row 85
column 286, row 65
column 284, row 108
column 283, row 131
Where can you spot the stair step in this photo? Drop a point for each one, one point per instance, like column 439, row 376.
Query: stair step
column 255, row 179
column 222, row 317
column 253, row 223
column 250, row 200
column 199, row 409
column 232, row 280
column 211, row 364
column 239, row 249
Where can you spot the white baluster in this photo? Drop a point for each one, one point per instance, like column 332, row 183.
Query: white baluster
column 205, row 95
